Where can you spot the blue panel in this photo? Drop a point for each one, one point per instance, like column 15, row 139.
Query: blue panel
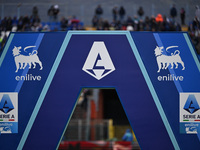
column 29, row 91
column 71, row 78
column 47, row 93
column 168, row 91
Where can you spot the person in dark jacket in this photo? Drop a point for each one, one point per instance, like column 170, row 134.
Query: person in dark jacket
column 122, row 13
column 173, row 12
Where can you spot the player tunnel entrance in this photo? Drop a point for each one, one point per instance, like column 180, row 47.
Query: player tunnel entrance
column 98, row 121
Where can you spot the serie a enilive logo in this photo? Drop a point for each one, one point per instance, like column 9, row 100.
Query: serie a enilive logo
column 98, row 63
column 8, row 113
column 189, row 112
column 24, row 59
column 169, row 60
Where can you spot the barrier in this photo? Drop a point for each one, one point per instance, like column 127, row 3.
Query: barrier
column 156, row 76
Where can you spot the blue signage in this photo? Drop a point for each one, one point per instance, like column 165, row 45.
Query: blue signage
column 156, row 76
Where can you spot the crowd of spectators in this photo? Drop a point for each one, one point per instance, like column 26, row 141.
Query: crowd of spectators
column 24, row 23
column 158, row 23
column 120, row 21
column 194, row 30
column 138, row 22
column 33, row 23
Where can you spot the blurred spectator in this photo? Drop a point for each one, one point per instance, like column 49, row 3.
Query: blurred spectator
column 197, row 12
column 147, row 24
column 106, row 25
column 26, row 20
column 135, row 19
column 135, row 23
column 26, row 24
column 165, row 24
column 9, row 24
column 141, row 25
column 15, row 21
column 119, row 25
column 35, row 28
column 153, row 24
column 128, row 136
column 56, row 11
column 113, row 25
column 36, row 20
column 4, row 24
column 74, row 23
column 194, row 31
column 182, row 16
column 115, row 13
column 140, row 12
column 100, row 24
column 50, row 13
column 159, row 18
column 129, row 20
column 130, row 28
column 20, row 24
column 98, row 11
column 177, row 26
column 173, row 12
column 122, row 13
column 196, row 26
column 39, row 28
column 63, row 24
column 35, row 12
column 46, row 28
column 94, row 21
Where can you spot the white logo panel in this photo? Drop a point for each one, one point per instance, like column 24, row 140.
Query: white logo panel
column 98, row 63
column 8, row 113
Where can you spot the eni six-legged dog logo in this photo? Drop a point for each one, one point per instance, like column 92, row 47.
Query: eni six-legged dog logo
column 164, row 60
column 26, row 59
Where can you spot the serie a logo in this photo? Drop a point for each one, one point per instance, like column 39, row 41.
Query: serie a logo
column 98, row 63
column 191, row 104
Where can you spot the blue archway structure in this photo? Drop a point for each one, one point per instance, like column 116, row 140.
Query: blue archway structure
column 44, row 96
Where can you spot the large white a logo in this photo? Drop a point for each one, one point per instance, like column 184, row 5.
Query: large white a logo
column 98, row 63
